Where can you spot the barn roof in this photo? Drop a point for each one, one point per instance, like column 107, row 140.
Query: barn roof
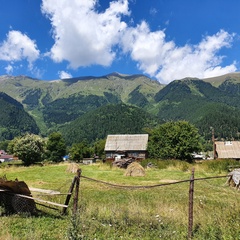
column 135, row 142
column 228, row 149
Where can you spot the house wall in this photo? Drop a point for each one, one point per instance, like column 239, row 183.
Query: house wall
column 131, row 154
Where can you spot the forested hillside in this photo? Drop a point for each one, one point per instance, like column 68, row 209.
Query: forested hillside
column 53, row 103
column 14, row 119
column 109, row 119
column 92, row 107
column 202, row 104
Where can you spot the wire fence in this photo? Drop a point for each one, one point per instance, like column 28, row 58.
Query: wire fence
column 191, row 192
column 23, row 200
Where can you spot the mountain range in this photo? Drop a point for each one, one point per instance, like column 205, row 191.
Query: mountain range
column 89, row 108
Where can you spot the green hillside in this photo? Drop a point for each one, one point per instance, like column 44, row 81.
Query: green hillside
column 53, row 103
column 70, row 104
column 217, row 81
column 109, row 119
column 14, row 119
column 204, row 105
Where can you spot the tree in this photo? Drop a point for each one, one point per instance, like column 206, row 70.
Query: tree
column 79, row 151
column 56, row 147
column 174, row 140
column 28, row 148
column 98, row 147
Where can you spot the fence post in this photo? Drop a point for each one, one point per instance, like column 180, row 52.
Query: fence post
column 69, row 194
column 190, row 207
column 75, row 203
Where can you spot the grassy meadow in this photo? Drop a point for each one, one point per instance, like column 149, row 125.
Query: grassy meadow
column 107, row 212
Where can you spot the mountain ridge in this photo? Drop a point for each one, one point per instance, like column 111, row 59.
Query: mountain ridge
column 59, row 102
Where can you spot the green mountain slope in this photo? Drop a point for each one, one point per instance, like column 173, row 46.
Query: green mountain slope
column 204, row 105
column 109, row 119
column 14, row 121
column 61, row 104
column 52, row 103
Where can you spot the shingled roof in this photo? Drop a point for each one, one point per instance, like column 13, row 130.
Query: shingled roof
column 228, row 149
column 134, row 142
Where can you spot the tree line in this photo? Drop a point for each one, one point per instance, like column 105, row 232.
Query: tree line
column 171, row 140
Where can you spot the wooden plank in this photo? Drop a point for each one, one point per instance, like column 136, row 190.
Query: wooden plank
column 43, row 201
column 47, row 191
column 36, row 199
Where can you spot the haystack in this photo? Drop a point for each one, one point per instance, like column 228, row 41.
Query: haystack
column 135, row 170
column 72, row 168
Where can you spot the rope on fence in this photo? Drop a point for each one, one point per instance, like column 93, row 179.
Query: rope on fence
column 150, row 186
column 191, row 190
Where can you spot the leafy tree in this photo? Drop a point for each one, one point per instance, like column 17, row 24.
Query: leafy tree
column 79, row 151
column 56, row 147
column 174, row 140
column 28, row 148
column 98, row 147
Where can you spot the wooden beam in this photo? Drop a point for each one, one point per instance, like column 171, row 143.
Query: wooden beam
column 36, row 199
column 43, row 190
column 43, row 201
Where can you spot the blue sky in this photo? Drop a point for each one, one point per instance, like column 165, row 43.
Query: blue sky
column 163, row 39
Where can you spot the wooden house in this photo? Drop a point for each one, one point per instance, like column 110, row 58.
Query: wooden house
column 227, row 150
column 126, row 146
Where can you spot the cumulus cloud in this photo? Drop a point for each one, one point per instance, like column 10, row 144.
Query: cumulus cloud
column 82, row 35
column 166, row 61
column 64, row 75
column 17, row 47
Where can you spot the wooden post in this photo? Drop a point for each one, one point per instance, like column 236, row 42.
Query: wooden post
column 69, row 194
column 75, row 204
column 190, row 207
column 214, row 145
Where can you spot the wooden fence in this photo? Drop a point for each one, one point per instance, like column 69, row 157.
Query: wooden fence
column 191, row 193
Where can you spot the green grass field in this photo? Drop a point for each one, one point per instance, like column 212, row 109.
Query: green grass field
column 107, row 212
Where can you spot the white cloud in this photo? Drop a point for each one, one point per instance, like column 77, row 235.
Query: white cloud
column 167, row 62
column 18, row 47
column 82, row 35
column 9, row 69
column 64, row 75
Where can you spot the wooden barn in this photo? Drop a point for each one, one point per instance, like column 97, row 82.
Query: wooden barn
column 227, row 150
column 126, row 146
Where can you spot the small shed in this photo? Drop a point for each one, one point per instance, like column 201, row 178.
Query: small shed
column 227, row 149
column 126, row 145
column 6, row 158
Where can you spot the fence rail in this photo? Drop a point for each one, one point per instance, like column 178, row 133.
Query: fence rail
column 191, row 192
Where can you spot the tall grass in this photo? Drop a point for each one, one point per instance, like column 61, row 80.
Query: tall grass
column 107, row 212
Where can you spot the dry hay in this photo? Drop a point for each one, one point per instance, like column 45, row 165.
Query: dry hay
column 72, row 168
column 135, row 170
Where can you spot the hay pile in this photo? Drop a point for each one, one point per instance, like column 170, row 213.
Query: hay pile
column 72, row 168
column 135, row 170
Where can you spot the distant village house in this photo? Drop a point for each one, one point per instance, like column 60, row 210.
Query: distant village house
column 126, row 146
column 227, row 150
column 4, row 157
